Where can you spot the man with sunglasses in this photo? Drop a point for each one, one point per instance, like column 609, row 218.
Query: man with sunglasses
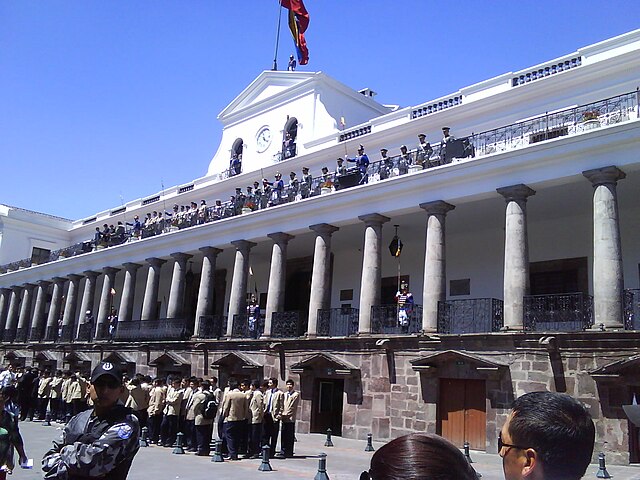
column 547, row 436
column 98, row 443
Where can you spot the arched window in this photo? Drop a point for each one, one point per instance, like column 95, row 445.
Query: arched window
column 290, row 134
column 235, row 163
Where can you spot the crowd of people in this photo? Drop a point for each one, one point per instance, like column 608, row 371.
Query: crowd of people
column 546, row 435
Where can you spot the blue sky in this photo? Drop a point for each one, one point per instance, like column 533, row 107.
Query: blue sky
column 104, row 101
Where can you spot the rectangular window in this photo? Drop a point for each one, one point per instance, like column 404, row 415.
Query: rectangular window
column 346, row 295
column 39, row 255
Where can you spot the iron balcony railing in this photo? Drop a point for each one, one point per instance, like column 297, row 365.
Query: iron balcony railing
column 632, row 309
column 36, row 334
column 389, row 319
column 212, row 326
column 290, row 324
column 244, row 328
column 338, row 322
column 473, row 315
column 85, row 332
column 566, row 312
column 166, row 329
column 566, row 122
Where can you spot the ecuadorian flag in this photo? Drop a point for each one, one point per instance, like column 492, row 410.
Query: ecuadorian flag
column 298, row 23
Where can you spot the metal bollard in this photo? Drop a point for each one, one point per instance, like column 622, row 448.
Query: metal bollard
column 144, row 437
column 369, row 447
column 328, row 442
column 217, row 452
column 602, row 467
column 47, row 419
column 265, row 466
column 322, row 468
column 466, row 452
column 178, row 450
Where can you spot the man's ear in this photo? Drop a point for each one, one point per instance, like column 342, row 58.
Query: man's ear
column 532, row 467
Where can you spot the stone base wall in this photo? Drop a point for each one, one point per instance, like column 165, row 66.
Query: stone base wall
column 388, row 394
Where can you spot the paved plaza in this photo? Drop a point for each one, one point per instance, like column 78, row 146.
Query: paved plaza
column 344, row 461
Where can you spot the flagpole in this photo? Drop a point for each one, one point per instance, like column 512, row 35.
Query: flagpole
column 275, row 55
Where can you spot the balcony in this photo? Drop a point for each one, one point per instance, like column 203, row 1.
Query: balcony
column 386, row 319
column 212, row 326
column 290, row 324
column 632, row 309
column 243, row 328
column 474, row 315
column 338, row 322
column 567, row 312
column 164, row 329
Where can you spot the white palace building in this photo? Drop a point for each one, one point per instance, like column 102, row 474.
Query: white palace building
column 521, row 247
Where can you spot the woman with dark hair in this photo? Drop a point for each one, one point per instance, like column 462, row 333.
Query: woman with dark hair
column 10, row 437
column 419, row 457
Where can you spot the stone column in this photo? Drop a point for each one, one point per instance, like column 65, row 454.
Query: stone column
column 22, row 332
column 176, row 294
column 12, row 315
column 207, row 287
column 371, row 268
column 608, row 280
column 238, row 297
column 89, row 294
column 69, row 316
column 277, row 276
column 128, row 292
column 106, row 302
column 5, row 298
column 320, row 298
column 516, row 254
column 51, row 331
column 434, row 288
column 38, row 325
column 150, row 300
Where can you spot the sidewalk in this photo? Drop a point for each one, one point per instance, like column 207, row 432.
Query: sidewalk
column 344, row 461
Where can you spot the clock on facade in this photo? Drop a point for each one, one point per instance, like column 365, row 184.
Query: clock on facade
column 263, row 139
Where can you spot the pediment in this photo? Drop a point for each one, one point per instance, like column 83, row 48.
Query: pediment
column 169, row 358
column 619, row 368
column 324, row 361
column 117, row 358
column 267, row 85
column 73, row 357
column 439, row 359
column 236, row 359
column 44, row 356
column 11, row 355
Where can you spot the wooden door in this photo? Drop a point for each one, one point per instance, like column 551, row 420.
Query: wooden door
column 326, row 410
column 462, row 415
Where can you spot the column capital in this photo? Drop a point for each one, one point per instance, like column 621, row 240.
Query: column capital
column 604, row 176
column 373, row 219
column 437, row 207
column 210, row 251
column 43, row 283
column 110, row 270
column 280, row 237
column 324, row 228
column 180, row 257
column 131, row 267
column 59, row 280
column 243, row 245
column 16, row 289
column 91, row 274
column 518, row 193
column 155, row 262
column 74, row 277
column 28, row 286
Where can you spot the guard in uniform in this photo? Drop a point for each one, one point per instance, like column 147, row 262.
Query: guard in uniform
column 98, row 443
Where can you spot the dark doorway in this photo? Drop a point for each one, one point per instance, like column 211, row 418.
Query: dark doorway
column 389, row 288
column 291, row 127
column 237, row 147
column 462, row 414
column 298, row 288
column 326, row 408
column 568, row 275
column 220, row 287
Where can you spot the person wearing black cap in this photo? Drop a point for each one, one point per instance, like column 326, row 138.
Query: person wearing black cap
column 362, row 162
column 424, row 151
column 307, row 181
column 385, row 166
column 98, row 443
